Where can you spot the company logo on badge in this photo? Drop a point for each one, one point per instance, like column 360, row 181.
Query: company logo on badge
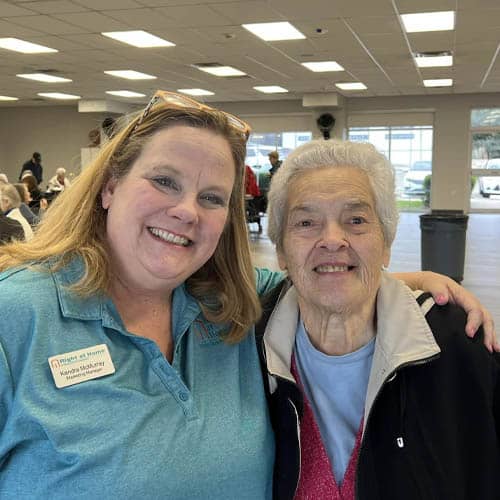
column 79, row 366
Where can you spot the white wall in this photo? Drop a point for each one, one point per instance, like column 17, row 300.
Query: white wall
column 57, row 132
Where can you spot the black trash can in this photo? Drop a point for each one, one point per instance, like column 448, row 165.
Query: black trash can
column 443, row 243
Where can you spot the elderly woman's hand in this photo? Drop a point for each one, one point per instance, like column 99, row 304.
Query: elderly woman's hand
column 444, row 290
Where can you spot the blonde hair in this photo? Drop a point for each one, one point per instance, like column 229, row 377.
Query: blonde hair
column 75, row 224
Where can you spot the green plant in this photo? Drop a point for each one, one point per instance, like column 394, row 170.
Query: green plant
column 427, row 189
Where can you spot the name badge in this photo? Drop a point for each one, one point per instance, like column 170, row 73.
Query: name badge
column 79, row 366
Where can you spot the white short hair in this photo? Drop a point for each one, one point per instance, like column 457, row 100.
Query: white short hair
column 331, row 154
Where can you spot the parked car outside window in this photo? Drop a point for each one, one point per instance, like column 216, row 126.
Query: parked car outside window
column 490, row 185
column 414, row 178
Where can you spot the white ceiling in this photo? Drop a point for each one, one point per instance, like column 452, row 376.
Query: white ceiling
column 364, row 36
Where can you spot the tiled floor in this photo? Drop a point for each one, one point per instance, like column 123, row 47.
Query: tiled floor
column 482, row 261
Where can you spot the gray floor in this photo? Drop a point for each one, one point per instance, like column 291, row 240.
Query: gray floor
column 482, row 262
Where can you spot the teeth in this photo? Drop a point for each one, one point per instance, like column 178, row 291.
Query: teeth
column 171, row 238
column 331, row 269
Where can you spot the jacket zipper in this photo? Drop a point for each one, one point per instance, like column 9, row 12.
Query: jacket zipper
column 298, row 445
column 390, row 376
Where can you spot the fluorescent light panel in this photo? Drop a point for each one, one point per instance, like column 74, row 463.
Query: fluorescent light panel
column 351, row 86
column 42, row 77
column 195, row 92
column 130, row 74
column 58, row 95
column 271, row 89
column 433, row 61
column 274, row 31
column 140, row 38
column 8, row 98
column 22, row 46
column 429, row 21
column 323, row 66
column 439, row 82
column 124, row 93
column 221, row 70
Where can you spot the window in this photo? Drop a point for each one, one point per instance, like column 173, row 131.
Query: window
column 485, row 161
column 409, row 149
column 260, row 145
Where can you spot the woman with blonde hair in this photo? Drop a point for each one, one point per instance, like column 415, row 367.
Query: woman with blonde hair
column 126, row 363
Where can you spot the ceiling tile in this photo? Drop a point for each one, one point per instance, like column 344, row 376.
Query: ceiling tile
column 92, row 21
column 412, row 6
column 9, row 10
column 54, row 7
column 48, row 24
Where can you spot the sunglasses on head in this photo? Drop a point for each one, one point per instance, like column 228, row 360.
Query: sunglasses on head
column 181, row 101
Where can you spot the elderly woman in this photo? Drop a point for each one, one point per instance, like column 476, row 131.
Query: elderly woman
column 10, row 201
column 58, row 182
column 126, row 364
column 392, row 402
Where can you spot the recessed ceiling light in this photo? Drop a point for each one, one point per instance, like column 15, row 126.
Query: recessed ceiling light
column 138, row 38
column 429, row 21
column 22, row 46
column 196, row 92
column 271, row 89
column 130, row 75
column 221, row 70
column 274, row 31
column 322, row 66
column 124, row 93
column 433, row 61
column 439, row 82
column 42, row 77
column 8, row 98
column 351, row 86
column 58, row 95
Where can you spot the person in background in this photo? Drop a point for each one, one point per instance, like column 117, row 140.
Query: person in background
column 10, row 202
column 4, row 179
column 59, row 182
column 253, row 199
column 393, row 404
column 34, row 165
column 24, row 208
column 9, row 229
column 129, row 364
column 38, row 202
column 274, row 160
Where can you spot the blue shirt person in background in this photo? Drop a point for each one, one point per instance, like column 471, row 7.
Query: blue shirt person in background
column 126, row 366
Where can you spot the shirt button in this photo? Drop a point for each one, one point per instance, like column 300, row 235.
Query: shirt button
column 183, row 396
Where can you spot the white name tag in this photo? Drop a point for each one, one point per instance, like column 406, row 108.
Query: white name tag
column 78, row 366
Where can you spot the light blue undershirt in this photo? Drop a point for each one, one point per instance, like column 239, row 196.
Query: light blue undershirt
column 336, row 388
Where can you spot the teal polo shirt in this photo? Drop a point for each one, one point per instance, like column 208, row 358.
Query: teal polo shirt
column 194, row 429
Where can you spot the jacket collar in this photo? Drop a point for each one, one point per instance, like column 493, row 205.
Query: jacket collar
column 403, row 335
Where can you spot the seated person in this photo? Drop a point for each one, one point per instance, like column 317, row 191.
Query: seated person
column 10, row 202
column 25, row 196
column 38, row 202
column 59, row 182
column 394, row 402
column 10, row 229
column 252, row 198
